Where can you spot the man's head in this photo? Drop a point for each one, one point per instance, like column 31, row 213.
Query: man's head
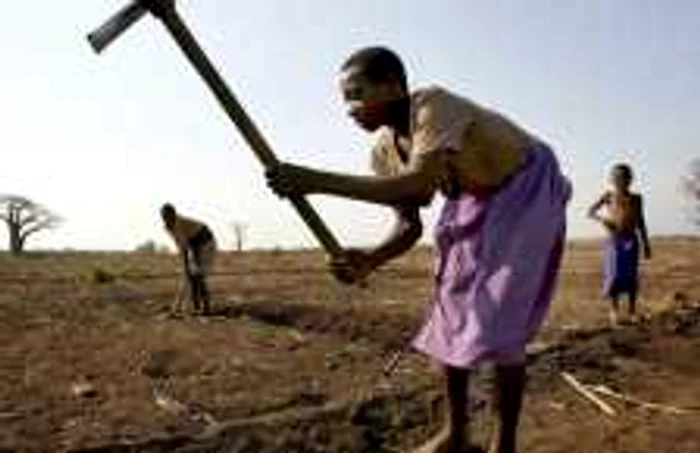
column 621, row 176
column 371, row 80
column 168, row 214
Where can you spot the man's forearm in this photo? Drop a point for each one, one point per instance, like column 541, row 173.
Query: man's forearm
column 390, row 190
column 401, row 240
column 185, row 260
column 645, row 239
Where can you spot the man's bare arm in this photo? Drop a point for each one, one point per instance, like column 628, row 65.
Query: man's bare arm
column 593, row 213
column 407, row 231
column 185, row 259
column 415, row 186
column 595, row 207
column 642, row 226
column 356, row 265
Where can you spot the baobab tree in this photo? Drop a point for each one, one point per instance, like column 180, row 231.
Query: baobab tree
column 24, row 218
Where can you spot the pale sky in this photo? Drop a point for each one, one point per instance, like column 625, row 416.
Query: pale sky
column 104, row 140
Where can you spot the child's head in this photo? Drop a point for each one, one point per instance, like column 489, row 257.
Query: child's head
column 371, row 80
column 621, row 176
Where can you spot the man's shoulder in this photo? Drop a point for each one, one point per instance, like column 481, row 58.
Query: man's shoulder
column 432, row 94
column 611, row 195
column 185, row 220
column 435, row 105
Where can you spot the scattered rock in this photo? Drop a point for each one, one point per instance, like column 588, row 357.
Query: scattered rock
column 83, row 389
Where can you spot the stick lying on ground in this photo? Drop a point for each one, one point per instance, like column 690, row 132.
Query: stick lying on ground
column 392, row 363
column 588, row 391
column 583, row 391
column 603, row 390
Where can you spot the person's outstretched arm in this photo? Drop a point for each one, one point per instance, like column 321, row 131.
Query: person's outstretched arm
column 415, row 186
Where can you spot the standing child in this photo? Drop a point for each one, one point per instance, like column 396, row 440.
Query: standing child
column 625, row 224
column 499, row 237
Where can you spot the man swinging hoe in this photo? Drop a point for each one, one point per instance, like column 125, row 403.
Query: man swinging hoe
column 499, row 238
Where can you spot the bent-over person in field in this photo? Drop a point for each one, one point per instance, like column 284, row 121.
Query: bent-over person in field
column 499, row 238
column 197, row 247
column 623, row 220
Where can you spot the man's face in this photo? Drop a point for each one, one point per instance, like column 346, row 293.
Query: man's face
column 169, row 220
column 367, row 101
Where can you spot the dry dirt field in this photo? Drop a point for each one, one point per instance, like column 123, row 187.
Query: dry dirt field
column 90, row 361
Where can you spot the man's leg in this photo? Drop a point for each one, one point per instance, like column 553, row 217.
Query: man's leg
column 200, row 293
column 614, row 315
column 194, row 290
column 204, row 294
column 195, row 276
column 454, row 437
column 206, row 260
column 632, row 307
column 508, row 397
column 457, row 397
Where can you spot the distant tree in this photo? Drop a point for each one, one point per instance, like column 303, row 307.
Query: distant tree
column 239, row 230
column 24, row 218
column 691, row 185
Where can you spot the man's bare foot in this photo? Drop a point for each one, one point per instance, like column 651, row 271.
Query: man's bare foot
column 442, row 442
column 614, row 318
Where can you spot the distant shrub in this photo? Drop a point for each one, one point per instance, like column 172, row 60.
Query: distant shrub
column 150, row 246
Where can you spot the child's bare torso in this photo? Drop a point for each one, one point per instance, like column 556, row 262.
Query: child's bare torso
column 623, row 211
